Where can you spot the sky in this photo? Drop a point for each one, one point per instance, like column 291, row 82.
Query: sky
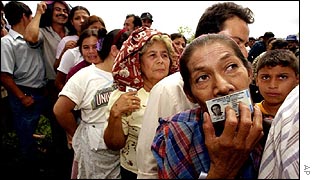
column 280, row 17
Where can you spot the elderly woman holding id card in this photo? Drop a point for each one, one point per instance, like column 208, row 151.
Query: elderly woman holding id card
column 143, row 60
column 188, row 145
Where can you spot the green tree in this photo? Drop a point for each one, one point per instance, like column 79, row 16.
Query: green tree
column 187, row 32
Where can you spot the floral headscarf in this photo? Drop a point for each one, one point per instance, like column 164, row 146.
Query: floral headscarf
column 126, row 68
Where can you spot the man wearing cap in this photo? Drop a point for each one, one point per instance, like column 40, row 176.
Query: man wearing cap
column 147, row 19
column 293, row 44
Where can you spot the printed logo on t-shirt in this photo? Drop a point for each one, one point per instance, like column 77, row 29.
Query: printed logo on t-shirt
column 101, row 97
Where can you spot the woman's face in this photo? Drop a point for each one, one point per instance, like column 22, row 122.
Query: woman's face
column 216, row 71
column 155, row 62
column 180, row 44
column 79, row 17
column 89, row 51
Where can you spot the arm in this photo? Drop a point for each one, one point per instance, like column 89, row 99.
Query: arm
column 63, row 112
column 10, row 85
column 114, row 136
column 32, row 29
column 231, row 149
column 60, row 80
column 68, row 45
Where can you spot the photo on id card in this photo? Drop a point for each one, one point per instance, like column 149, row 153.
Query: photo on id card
column 216, row 107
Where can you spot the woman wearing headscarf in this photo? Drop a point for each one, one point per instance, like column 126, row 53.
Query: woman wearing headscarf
column 143, row 60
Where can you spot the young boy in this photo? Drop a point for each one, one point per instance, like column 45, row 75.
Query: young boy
column 276, row 74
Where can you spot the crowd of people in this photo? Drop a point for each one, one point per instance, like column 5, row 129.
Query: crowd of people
column 130, row 102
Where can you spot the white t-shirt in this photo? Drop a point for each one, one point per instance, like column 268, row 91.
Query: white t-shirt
column 90, row 89
column 69, row 59
column 166, row 98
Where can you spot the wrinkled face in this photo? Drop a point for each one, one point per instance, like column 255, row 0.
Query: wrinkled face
column 128, row 24
column 238, row 30
column 180, row 44
column 79, row 17
column 275, row 83
column 146, row 22
column 155, row 62
column 60, row 13
column 215, row 71
column 89, row 51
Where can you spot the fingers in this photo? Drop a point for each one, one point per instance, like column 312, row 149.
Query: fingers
column 245, row 122
column 230, row 125
column 127, row 103
column 208, row 128
column 242, row 131
column 256, row 131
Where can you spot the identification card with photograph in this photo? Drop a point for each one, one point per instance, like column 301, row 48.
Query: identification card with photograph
column 129, row 89
column 216, row 107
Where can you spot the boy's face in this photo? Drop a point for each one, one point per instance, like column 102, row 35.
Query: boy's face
column 275, row 83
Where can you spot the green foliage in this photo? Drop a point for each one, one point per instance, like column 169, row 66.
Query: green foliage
column 10, row 139
column 187, row 32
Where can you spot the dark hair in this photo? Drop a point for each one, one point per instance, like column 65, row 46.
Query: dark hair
column 88, row 33
column 203, row 40
column 91, row 20
column 278, row 43
column 137, row 22
column 72, row 30
column 46, row 18
column 178, row 35
column 215, row 105
column 282, row 57
column 14, row 11
column 115, row 37
column 213, row 18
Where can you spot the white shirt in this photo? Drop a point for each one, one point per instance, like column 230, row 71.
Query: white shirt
column 63, row 42
column 166, row 98
column 69, row 59
column 90, row 89
column 281, row 156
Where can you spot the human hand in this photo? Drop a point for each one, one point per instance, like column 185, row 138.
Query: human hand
column 27, row 101
column 70, row 44
column 41, row 7
column 231, row 149
column 126, row 104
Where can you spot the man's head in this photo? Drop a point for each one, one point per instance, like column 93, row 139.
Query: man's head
column 229, row 19
column 216, row 109
column 293, row 42
column 57, row 12
column 146, row 19
column 132, row 22
column 15, row 12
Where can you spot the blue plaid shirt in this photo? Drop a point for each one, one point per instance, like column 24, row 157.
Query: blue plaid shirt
column 180, row 151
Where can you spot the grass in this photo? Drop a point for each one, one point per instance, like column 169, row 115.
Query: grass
column 10, row 139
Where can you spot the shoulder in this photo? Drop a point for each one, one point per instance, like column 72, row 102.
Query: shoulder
column 172, row 84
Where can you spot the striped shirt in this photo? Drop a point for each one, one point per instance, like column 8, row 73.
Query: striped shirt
column 280, row 158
